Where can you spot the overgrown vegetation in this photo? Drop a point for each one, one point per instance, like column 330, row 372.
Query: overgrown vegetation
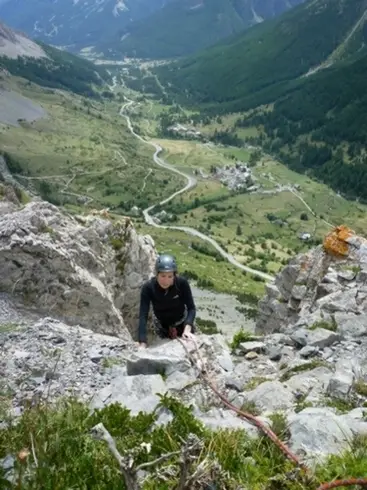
column 54, row 450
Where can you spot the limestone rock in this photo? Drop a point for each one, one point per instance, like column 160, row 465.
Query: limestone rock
column 77, row 270
column 319, row 432
column 270, row 396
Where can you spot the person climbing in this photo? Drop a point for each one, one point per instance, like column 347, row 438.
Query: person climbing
column 173, row 305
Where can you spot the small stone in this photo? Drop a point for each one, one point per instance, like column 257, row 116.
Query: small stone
column 340, row 385
column 251, row 356
column 252, row 347
column 234, row 384
column 275, row 353
column 308, row 351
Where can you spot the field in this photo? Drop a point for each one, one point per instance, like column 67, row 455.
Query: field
column 82, row 152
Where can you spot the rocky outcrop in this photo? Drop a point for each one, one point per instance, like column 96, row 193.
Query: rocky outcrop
column 79, row 270
column 326, row 286
column 322, row 397
column 14, row 44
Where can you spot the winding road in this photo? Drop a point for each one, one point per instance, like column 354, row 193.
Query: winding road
column 191, row 182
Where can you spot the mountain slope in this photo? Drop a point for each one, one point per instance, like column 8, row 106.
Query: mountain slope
column 184, row 27
column 48, row 66
column 74, row 23
column 257, row 66
column 320, row 127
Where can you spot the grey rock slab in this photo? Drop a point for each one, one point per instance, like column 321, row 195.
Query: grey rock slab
column 316, row 380
column 247, row 347
column 320, row 337
column 318, row 432
column 166, row 358
column 308, row 351
column 137, row 393
column 270, row 396
column 350, row 325
column 340, row 385
column 225, row 361
column 218, row 419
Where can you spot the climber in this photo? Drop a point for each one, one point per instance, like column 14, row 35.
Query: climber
column 173, row 305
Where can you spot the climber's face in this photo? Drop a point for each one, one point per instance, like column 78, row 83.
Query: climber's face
column 165, row 279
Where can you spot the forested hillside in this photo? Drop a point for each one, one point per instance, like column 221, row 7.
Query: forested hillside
column 263, row 63
column 321, row 127
column 60, row 70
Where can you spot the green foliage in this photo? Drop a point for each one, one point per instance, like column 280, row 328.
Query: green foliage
column 68, row 457
column 208, row 327
column 239, row 337
column 61, row 70
column 332, row 325
column 207, row 250
column 312, row 117
column 13, row 164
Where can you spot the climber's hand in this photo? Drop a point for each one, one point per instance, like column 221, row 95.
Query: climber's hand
column 187, row 334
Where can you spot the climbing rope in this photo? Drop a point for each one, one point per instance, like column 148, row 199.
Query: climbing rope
column 203, row 374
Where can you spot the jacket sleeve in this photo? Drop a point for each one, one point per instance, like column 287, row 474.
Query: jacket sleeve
column 143, row 313
column 189, row 301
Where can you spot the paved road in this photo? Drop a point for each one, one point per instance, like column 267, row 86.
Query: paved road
column 191, row 182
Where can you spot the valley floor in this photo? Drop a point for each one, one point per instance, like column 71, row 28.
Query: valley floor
column 83, row 156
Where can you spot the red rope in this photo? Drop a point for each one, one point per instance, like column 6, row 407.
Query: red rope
column 268, row 432
column 343, row 483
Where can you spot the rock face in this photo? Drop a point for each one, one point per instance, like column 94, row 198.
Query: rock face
column 85, row 271
column 325, row 287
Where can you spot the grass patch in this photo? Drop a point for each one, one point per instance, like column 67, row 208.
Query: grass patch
column 240, row 337
column 83, row 152
column 109, row 362
column 250, row 407
column 307, row 366
column 360, row 387
column 8, row 327
column 332, row 325
column 208, row 327
column 342, row 406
